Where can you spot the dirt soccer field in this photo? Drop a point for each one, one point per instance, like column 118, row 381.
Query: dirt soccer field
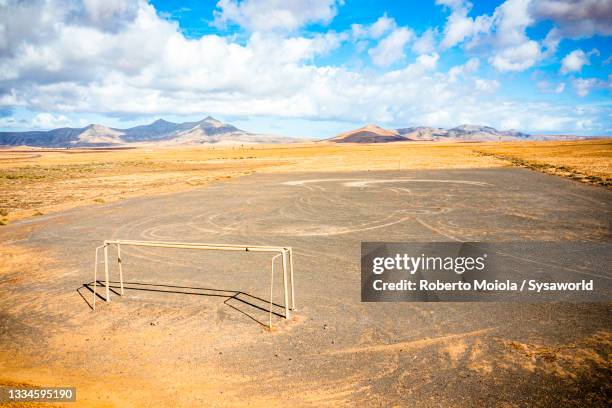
column 190, row 330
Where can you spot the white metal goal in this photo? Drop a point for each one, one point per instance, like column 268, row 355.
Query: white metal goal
column 285, row 252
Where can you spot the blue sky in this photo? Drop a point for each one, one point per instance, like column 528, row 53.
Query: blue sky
column 308, row 68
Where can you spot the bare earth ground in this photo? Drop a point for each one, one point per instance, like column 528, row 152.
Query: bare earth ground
column 172, row 348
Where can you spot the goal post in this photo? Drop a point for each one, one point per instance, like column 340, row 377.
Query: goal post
column 277, row 251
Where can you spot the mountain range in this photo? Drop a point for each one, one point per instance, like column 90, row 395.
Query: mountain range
column 213, row 131
column 464, row 133
column 471, row 133
column 160, row 132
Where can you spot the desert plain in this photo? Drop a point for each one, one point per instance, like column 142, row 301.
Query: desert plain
column 190, row 329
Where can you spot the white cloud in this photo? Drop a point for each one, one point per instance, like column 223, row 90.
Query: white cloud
column 380, row 27
column 516, row 58
column 391, row 48
column 459, row 25
column 392, row 40
column 575, row 60
column 268, row 15
column 551, row 88
column 511, row 19
column 425, row 43
column 582, row 86
column 486, row 85
column 560, row 88
column 461, row 70
column 49, row 121
column 146, row 66
column 511, row 123
column 551, row 41
column 503, row 35
column 512, row 49
column 109, row 14
column 428, row 60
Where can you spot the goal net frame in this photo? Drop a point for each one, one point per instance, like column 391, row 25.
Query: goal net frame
column 277, row 251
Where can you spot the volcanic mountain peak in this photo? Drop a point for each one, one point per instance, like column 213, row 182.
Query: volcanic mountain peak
column 377, row 129
column 368, row 134
column 97, row 128
column 99, row 134
column 161, row 121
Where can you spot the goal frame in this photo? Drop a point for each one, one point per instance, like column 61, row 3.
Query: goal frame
column 277, row 251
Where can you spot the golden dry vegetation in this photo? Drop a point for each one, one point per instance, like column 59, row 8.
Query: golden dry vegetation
column 39, row 181
column 588, row 161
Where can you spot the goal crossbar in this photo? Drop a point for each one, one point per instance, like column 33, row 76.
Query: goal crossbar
column 278, row 251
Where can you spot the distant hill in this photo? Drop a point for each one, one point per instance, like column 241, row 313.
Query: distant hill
column 368, row 134
column 463, row 133
column 160, row 133
column 472, row 133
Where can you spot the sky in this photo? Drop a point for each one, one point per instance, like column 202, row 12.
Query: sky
column 308, row 68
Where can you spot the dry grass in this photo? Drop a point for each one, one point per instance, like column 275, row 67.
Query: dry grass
column 588, row 161
column 38, row 181
column 55, row 180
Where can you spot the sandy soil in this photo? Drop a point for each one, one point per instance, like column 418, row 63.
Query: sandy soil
column 122, row 356
column 161, row 349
